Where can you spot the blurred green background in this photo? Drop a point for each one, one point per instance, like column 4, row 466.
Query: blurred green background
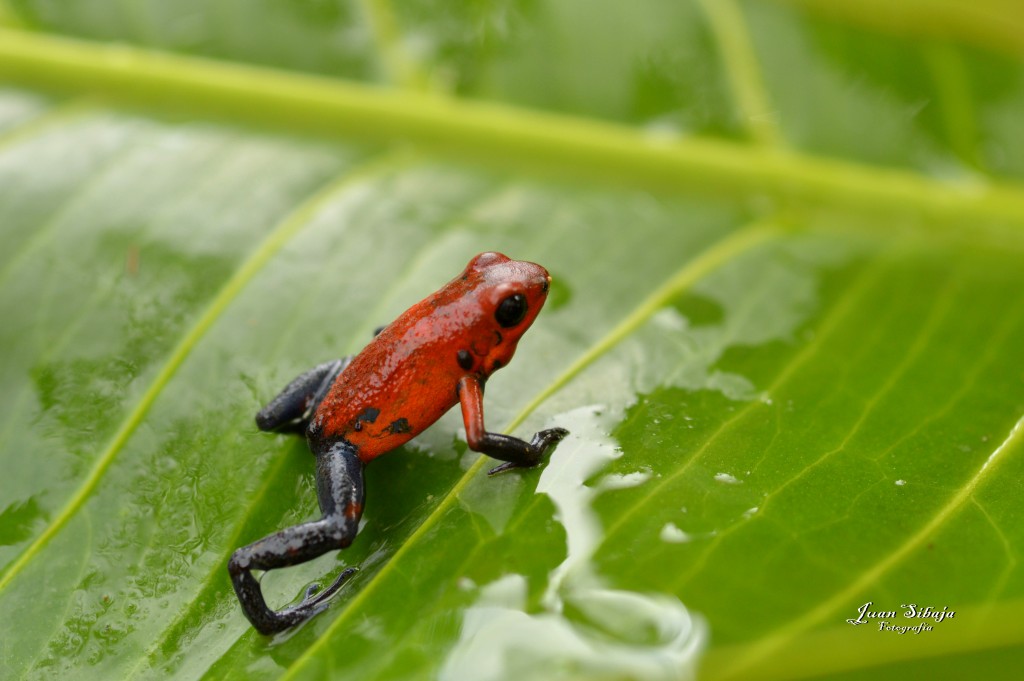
column 785, row 332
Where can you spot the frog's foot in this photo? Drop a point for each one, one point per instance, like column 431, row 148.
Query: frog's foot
column 535, row 451
column 313, row 594
column 268, row 621
column 313, row 602
column 340, row 473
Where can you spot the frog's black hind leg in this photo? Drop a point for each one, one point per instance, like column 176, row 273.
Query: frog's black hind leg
column 291, row 410
column 339, row 486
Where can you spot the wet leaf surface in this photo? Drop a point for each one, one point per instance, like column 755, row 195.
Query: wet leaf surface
column 784, row 333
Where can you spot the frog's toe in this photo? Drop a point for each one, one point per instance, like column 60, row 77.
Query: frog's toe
column 322, row 596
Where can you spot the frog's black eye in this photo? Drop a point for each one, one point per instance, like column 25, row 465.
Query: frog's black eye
column 511, row 310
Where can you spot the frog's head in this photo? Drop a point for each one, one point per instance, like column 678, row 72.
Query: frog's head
column 509, row 295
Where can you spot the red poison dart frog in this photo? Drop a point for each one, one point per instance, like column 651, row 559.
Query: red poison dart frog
column 437, row 353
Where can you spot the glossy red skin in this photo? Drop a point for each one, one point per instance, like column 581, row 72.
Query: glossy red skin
column 409, row 373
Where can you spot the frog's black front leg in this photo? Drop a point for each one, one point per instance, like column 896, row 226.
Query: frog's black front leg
column 339, row 485
column 514, row 452
column 291, row 410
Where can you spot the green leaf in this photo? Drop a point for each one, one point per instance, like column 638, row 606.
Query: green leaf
column 784, row 332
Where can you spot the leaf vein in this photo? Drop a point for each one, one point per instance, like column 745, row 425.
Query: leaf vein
column 925, row 333
column 737, row 52
column 770, row 644
column 398, row 67
column 486, row 130
column 724, row 250
column 274, row 469
column 274, row 241
column 836, row 316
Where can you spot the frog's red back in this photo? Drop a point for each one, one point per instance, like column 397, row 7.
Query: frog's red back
column 406, row 378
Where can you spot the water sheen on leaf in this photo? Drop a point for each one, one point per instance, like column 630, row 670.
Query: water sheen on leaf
column 784, row 332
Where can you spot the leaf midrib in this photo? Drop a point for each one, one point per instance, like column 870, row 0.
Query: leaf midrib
column 850, row 182
column 488, row 130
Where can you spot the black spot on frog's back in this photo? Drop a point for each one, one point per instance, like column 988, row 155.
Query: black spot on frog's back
column 368, row 415
column 399, row 426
